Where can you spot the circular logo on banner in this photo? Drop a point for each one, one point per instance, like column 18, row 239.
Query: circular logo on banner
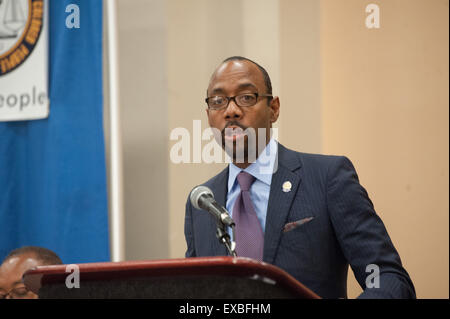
column 21, row 23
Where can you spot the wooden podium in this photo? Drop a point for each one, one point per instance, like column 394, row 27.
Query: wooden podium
column 189, row 278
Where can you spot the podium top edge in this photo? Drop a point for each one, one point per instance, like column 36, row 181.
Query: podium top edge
column 40, row 276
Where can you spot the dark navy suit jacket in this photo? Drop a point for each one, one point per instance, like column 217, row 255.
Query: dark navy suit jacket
column 340, row 228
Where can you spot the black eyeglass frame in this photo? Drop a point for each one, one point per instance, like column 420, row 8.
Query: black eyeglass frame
column 229, row 98
column 15, row 294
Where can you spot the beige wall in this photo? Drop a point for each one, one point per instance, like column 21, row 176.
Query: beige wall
column 300, row 94
column 378, row 96
column 142, row 37
column 198, row 39
column 385, row 106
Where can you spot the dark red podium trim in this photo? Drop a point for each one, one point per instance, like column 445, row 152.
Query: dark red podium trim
column 200, row 266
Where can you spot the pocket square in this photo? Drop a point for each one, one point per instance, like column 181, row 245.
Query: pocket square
column 290, row 226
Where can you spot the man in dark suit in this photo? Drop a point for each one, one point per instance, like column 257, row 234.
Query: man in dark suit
column 308, row 216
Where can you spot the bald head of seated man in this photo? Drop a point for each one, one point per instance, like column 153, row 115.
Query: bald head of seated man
column 16, row 264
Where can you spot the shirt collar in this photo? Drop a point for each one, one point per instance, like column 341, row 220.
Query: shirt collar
column 261, row 169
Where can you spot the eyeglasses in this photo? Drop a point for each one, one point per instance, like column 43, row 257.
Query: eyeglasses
column 16, row 293
column 219, row 102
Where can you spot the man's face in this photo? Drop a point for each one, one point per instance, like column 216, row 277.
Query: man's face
column 11, row 272
column 233, row 78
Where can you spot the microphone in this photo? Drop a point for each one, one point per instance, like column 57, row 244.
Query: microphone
column 203, row 198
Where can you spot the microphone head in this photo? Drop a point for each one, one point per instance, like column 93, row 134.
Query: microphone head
column 197, row 192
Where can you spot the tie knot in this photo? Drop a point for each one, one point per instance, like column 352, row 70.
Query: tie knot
column 245, row 180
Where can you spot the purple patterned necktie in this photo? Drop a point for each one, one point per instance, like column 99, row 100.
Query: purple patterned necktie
column 249, row 234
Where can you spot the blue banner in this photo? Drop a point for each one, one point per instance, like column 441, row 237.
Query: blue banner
column 52, row 171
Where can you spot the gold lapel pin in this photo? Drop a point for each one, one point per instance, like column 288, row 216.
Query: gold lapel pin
column 287, row 186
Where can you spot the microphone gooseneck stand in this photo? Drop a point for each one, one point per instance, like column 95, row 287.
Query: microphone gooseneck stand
column 202, row 197
column 224, row 237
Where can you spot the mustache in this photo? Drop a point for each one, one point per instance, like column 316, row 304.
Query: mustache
column 233, row 123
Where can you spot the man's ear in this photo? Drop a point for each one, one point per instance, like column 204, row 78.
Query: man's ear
column 208, row 115
column 275, row 109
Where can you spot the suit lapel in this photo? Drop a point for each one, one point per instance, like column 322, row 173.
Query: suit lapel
column 220, row 189
column 279, row 201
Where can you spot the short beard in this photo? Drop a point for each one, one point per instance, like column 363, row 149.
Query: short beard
column 244, row 149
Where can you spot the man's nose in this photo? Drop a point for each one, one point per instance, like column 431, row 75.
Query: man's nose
column 233, row 111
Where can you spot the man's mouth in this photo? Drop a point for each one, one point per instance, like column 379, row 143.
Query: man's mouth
column 233, row 132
